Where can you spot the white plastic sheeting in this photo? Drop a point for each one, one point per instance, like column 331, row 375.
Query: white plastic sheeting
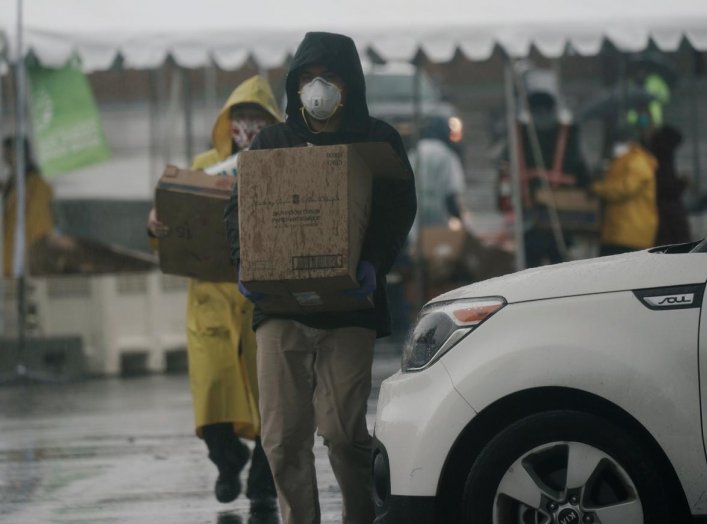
column 145, row 32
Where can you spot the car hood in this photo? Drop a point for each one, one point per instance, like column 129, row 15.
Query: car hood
column 638, row 270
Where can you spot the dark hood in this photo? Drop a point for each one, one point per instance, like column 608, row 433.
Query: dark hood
column 664, row 142
column 436, row 129
column 337, row 53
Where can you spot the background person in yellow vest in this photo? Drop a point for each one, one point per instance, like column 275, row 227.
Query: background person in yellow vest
column 220, row 340
column 654, row 73
column 628, row 190
column 39, row 223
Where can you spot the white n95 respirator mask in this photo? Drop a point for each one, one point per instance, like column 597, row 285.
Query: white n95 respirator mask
column 320, row 98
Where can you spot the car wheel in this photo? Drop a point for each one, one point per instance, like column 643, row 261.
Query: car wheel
column 565, row 467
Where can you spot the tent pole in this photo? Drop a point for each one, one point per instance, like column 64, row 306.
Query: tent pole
column 188, row 114
column 695, row 121
column 3, row 63
column 20, row 160
column 21, row 371
column 210, row 90
column 154, row 115
column 420, row 274
column 514, row 162
column 173, row 109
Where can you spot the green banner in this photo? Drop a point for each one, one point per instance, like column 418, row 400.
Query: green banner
column 67, row 127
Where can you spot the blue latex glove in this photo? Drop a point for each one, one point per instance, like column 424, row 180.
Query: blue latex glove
column 253, row 296
column 366, row 276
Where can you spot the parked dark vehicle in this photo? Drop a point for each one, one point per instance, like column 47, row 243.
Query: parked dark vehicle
column 390, row 94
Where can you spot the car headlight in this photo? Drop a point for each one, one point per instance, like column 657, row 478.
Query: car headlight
column 442, row 325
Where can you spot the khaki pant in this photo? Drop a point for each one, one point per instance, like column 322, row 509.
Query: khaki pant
column 312, row 379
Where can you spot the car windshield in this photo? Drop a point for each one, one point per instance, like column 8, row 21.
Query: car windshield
column 398, row 88
column 697, row 246
column 701, row 247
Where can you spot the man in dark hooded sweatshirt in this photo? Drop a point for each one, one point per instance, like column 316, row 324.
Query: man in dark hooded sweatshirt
column 673, row 221
column 314, row 370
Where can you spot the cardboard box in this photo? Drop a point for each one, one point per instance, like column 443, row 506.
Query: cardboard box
column 576, row 209
column 303, row 215
column 442, row 249
column 191, row 204
column 441, row 244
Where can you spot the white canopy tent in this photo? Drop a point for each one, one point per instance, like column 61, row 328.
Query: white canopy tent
column 228, row 32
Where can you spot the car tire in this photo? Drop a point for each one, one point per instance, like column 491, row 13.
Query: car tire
column 521, row 475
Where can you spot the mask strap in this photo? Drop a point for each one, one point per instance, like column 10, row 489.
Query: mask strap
column 306, row 121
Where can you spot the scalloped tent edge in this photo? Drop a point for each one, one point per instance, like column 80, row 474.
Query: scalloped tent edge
column 217, row 31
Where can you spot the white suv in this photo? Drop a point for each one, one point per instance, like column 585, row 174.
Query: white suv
column 556, row 395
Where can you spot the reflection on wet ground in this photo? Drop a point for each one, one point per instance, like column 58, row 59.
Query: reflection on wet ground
column 116, row 451
column 229, row 517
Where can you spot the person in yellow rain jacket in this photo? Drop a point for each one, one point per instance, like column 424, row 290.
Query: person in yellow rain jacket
column 628, row 190
column 220, row 340
column 39, row 222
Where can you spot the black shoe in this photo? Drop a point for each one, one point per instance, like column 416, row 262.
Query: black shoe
column 227, row 488
column 261, row 487
column 229, row 518
column 228, row 484
column 230, row 456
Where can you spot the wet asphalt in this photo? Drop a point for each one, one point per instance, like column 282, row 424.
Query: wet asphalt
column 119, row 451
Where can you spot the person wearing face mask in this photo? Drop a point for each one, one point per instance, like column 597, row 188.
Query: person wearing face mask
column 314, row 370
column 673, row 221
column 560, row 163
column 220, row 341
column 628, row 190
